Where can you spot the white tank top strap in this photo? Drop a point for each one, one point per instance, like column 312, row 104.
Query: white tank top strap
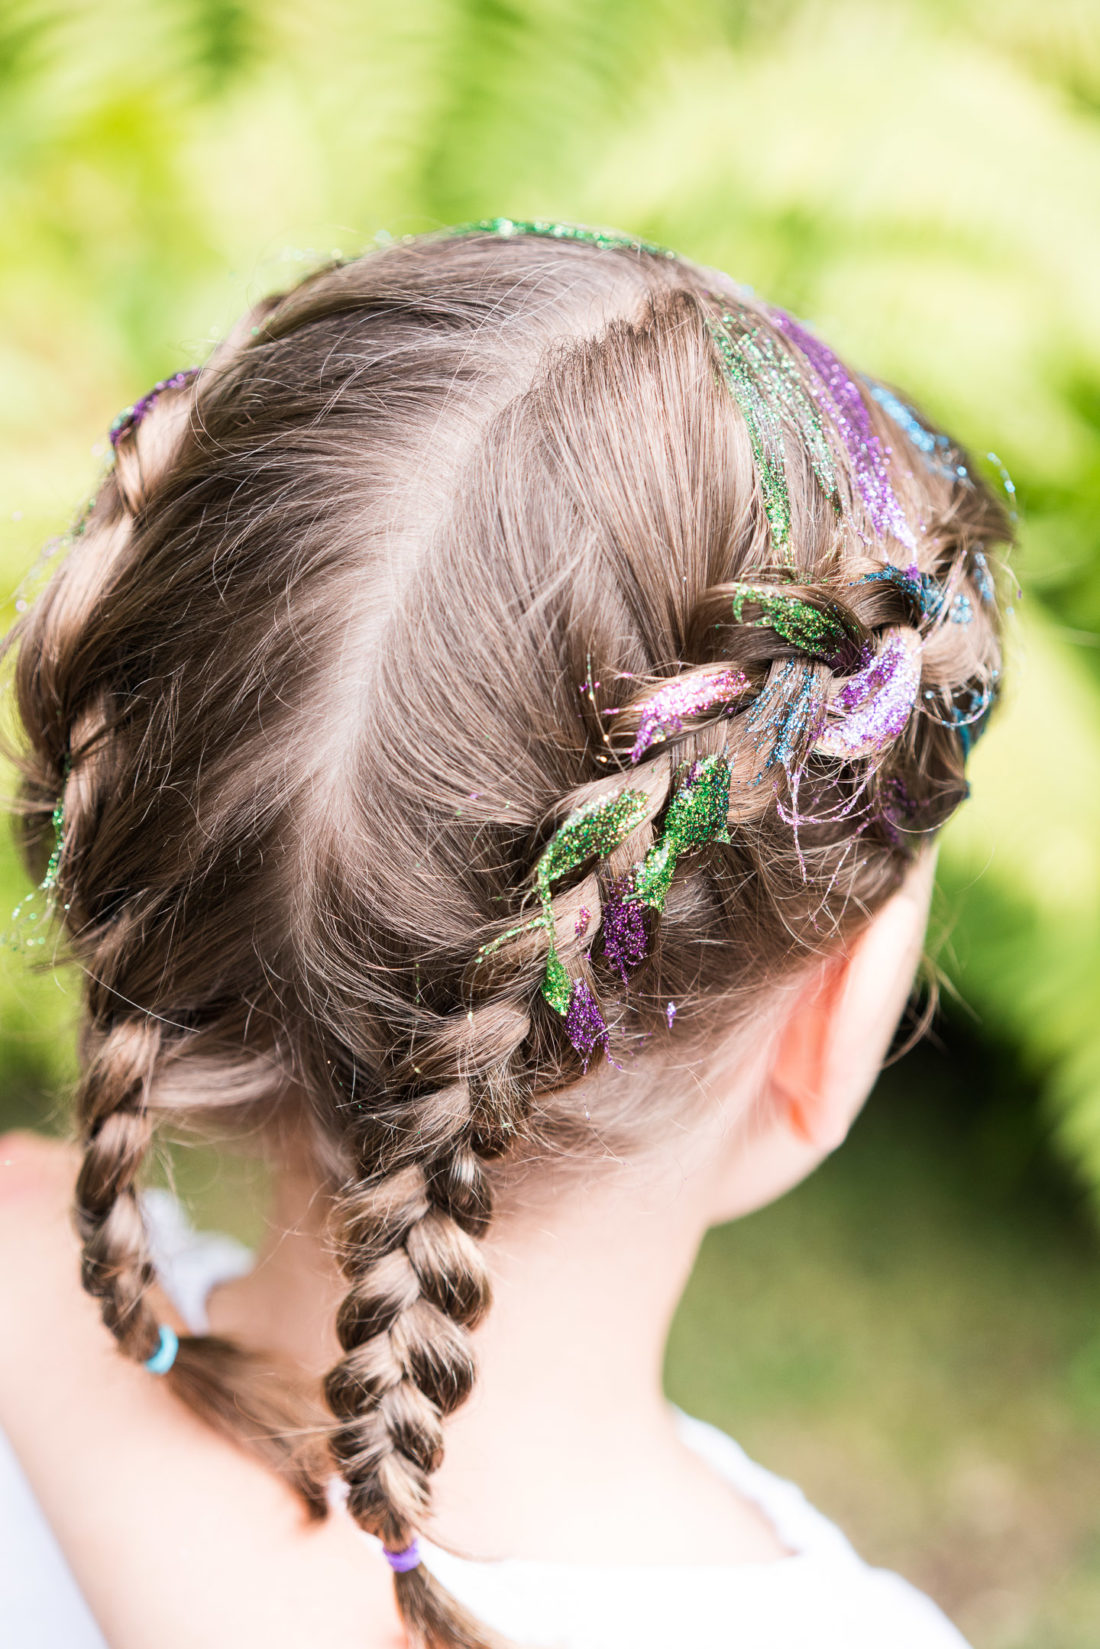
column 800, row 1526
column 189, row 1264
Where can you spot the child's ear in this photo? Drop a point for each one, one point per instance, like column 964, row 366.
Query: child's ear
column 800, row 1073
column 837, row 1034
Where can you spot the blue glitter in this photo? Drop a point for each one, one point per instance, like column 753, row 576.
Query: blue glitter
column 983, row 578
column 932, row 444
column 934, row 595
column 791, row 709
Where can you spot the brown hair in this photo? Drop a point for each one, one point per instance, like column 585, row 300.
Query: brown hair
column 308, row 684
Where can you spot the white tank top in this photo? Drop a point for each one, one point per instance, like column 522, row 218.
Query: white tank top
column 823, row 1596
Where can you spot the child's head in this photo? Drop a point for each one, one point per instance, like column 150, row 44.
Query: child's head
column 441, row 546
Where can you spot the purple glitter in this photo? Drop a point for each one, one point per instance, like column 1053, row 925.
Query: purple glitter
column 580, row 926
column 584, row 1023
column 131, row 418
column 875, row 704
column 625, row 941
column 895, row 809
column 840, row 397
column 670, row 1014
column 663, row 714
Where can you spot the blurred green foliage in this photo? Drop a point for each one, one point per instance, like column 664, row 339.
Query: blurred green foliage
column 919, row 179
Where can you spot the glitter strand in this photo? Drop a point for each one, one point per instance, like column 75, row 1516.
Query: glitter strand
column 873, row 706
column 765, row 433
column 771, row 393
column 906, row 578
column 41, row 900
column 983, row 577
column 810, row 628
column 933, row 445
column 585, row 1025
column 662, row 716
column 1008, row 484
column 839, row 395
column 790, row 709
column 969, row 717
column 698, row 814
column 612, row 240
column 934, row 602
column 131, row 417
column 592, row 831
column 625, row 939
column 928, row 590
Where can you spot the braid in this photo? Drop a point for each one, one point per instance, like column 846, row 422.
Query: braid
column 411, row 1217
column 112, row 1115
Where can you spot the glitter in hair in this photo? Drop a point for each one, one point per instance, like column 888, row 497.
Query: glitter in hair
column 841, row 398
column 663, row 716
column 625, row 939
column 584, row 1022
column 698, row 814
column 812, row 628
column 591, row 832
column 934, row 446
column 132, row 416
column 873, row 706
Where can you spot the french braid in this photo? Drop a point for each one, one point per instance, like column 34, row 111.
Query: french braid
column 362, row 615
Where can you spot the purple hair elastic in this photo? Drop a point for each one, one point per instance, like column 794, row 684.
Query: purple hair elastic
column 132, row 416
column 401, row 1562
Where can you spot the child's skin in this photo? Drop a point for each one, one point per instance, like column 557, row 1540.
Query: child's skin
column 565, row 1452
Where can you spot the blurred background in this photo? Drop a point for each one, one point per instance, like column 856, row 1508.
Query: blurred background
column 914, row 1334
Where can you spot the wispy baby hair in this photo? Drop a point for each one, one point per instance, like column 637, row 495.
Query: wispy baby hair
column 442, row 551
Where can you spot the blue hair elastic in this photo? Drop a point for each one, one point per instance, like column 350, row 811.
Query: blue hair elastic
column 165, row 1354
column 401, row 1562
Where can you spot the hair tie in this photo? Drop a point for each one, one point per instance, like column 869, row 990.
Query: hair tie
column 408, row 1558
column 165, row 1354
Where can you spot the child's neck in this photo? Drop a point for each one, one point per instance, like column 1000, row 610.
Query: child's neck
column 567, row 1449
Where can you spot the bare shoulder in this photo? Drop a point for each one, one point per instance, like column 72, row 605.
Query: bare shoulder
column 34, row 1170
column 38, row 1246
column 85, row 1423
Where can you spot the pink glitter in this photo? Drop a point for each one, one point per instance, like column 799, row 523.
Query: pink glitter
column 664, row 713
column 875, row 704
column 580, row 926
column 670, row 1014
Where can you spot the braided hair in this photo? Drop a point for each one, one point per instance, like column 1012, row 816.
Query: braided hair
column 362, row 616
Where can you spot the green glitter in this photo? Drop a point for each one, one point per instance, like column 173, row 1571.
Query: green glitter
column 557, row 987
column 780, row 378
column 32, row 906
column 607, row 239
column 768, row 387
column 57, row 819
column 765, row 433
column 697, row 814
column 810, row 628
column 591, row 832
